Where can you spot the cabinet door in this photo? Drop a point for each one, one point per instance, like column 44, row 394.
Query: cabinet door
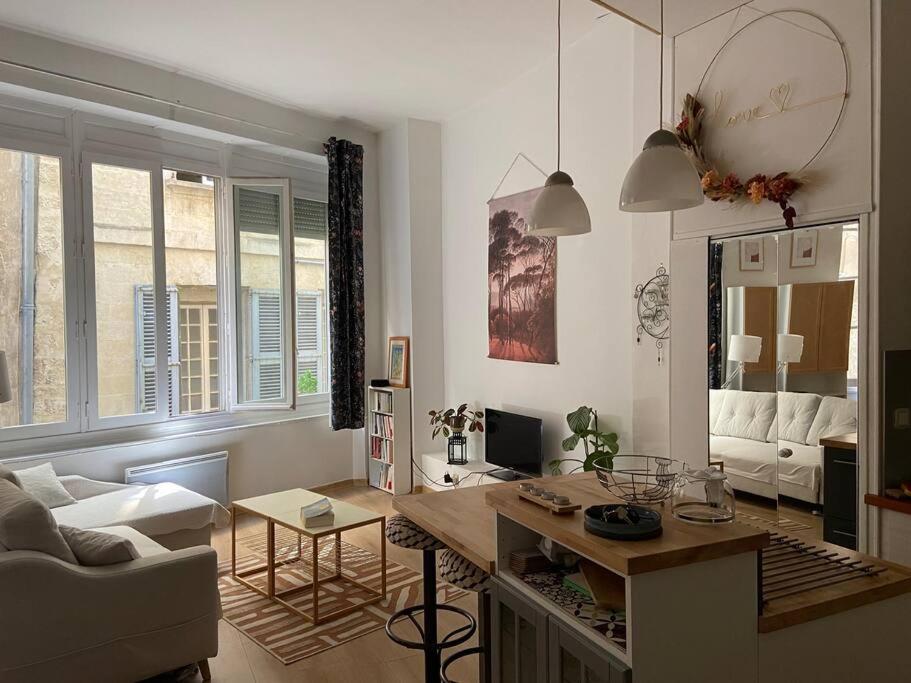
column 573, row 659
column 518, row 637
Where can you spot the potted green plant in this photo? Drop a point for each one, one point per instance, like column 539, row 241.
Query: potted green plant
column 583, row 423
column 452, row 422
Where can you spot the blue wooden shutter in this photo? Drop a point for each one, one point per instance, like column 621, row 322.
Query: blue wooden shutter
column 309, row 336
column 267, row 344
column 145, row 350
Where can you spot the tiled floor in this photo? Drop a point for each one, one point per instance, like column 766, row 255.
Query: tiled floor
column 370, row 659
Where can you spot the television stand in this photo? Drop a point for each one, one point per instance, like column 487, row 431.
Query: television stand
column 509, row 475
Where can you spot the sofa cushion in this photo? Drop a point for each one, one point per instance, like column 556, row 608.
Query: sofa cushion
column 746, row 414
column 145, row 546
column 27, row 524
column 802, row 468
column 153, row 510
column 836, row 416
column 8, row 475
column 795, row 415
column 42, row 482
column 98, row 548
column 716, row 399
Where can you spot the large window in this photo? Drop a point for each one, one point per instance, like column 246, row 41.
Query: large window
column 33, row 321
column 174, row 293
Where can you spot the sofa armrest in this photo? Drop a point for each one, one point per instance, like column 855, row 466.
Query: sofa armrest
column 81, row 487
column 60, row 608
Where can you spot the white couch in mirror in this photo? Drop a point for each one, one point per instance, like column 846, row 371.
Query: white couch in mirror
column 770, row 449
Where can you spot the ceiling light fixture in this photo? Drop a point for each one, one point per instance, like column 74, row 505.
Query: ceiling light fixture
column 661, row 178
column 559, row 210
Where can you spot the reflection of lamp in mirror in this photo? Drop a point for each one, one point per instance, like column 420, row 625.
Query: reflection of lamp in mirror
column 790, row 349
column 744, row 348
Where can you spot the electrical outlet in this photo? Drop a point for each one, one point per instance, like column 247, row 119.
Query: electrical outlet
column 455, row 478
column 901, row 418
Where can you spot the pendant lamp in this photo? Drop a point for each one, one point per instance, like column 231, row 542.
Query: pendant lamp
column 559, row 210
column 661, row 178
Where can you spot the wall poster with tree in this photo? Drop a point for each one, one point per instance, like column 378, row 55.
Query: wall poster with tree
column 522, row 282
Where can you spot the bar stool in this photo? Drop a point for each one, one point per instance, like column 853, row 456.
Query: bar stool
column 404, row 533
column 464, row 574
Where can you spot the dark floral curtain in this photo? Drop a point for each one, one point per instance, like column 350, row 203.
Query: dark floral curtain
column 346, row 282
column 716, row 378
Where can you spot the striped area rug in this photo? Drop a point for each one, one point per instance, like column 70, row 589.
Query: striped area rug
column 289, row 637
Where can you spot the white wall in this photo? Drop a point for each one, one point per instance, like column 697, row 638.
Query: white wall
column 411, row 216
column 650, row 247
column 594, row 291
column 303, row 452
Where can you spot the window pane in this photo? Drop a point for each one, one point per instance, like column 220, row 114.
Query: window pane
column 192, row 272
column 258, row 216
column 124, row 289
column 32, row 308
column 310, row 297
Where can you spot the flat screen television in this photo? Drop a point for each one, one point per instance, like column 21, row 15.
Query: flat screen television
column 513, row 442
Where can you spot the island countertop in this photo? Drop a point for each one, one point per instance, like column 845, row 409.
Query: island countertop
column 679, row 544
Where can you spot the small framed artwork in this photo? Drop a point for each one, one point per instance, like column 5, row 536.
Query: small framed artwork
column 751, row 254
column 804, row 244
column 398, row 362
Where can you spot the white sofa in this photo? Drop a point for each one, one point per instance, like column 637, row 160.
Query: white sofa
column 169, row 514
column 65, row 621
column 747, row 429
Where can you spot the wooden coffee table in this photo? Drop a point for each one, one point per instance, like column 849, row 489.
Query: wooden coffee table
column 283, row 509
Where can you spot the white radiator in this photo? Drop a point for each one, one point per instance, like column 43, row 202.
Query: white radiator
column 204, row 474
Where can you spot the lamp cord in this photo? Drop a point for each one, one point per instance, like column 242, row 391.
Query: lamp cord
column 661, row 71
column 559, row 72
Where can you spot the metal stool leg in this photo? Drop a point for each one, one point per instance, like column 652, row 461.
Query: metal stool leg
column 431, row 649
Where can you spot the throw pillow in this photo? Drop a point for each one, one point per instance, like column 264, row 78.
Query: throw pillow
column 7, row 474
column 42, row 482
column 98, row 549
column 27, row 524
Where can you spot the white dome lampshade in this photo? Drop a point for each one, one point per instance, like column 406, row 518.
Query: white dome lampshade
column 661, row 178
column 745, row 348
column 790, row 348
column 559, row 210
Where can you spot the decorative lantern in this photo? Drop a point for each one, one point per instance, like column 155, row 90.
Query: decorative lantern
column 458, row 449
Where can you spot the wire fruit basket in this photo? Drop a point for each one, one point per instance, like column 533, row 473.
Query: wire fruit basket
column 648, row 480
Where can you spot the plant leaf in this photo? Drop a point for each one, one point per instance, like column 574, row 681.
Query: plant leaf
column 472, row 426
column 579, row 419
column 570, row 442
column 435, row 432
column 480, row 427
column 462, row 408
column 446, row 432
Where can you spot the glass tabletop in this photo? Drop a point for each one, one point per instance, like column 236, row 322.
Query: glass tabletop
column 284, row 508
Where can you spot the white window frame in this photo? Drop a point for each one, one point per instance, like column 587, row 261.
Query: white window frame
column 95, row 419
column 288, row 400
column 74, row 136
column 72, row 255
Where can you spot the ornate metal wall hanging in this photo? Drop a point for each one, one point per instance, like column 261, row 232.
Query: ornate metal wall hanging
column 653, row 306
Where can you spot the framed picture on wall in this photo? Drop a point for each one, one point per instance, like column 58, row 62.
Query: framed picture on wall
column 398, row 362
column 804, row 244
column 751, row 254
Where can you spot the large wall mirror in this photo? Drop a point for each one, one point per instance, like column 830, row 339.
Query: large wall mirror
column 783, row 377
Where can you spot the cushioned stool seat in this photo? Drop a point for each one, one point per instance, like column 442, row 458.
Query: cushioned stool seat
column 404, row 533
column 462, row 573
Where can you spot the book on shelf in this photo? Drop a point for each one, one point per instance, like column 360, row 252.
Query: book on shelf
column 382, row 425
column 384, row 481
column 383, row 401
column 381, row 449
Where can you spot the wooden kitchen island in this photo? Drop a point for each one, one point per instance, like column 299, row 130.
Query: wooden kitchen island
column 692, row 599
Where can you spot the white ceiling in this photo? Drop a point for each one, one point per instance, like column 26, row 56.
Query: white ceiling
column 369, row 60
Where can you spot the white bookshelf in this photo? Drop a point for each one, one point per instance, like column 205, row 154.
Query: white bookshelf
column 389, row 439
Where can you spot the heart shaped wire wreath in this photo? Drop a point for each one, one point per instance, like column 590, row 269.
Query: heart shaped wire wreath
column 728, row 187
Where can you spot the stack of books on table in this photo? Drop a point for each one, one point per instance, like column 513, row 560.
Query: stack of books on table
column 317, row 514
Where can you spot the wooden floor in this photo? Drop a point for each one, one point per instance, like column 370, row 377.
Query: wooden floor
column 371, row 658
